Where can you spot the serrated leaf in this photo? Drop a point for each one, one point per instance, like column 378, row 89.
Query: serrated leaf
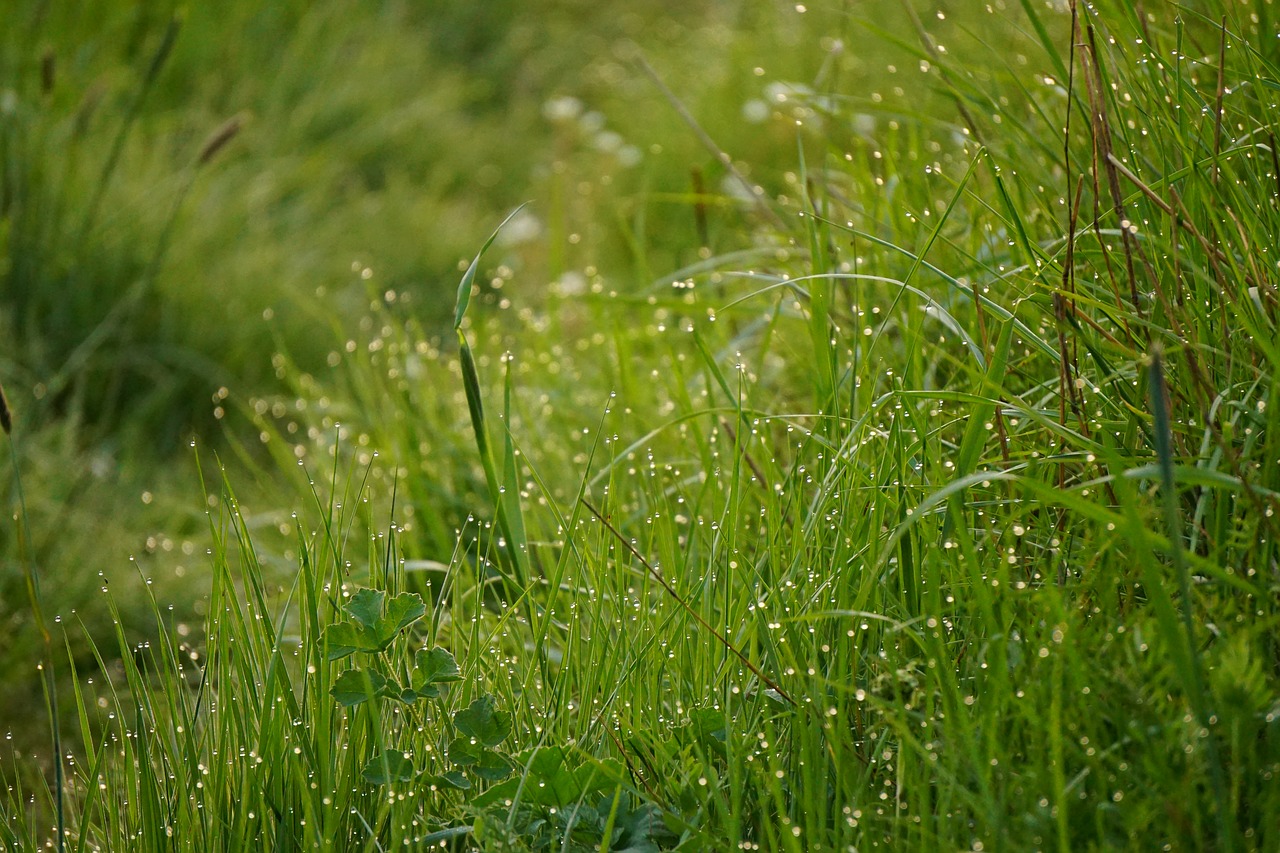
column 401, row 612
column 465, row 752
column 427, row 691
column 366, row 607
column 391, row 766
column 433, row 668
column 484, row 721
column 357, row 685
column 708, row 723
column 710, row 729
column 639, row 831
column 376, row 622
column 439, row 664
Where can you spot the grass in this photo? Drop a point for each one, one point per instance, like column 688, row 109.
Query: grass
column 919, row 494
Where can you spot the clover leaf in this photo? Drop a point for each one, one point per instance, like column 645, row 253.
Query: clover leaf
column 366, row 607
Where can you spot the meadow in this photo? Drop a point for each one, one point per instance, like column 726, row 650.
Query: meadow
column 584, row 427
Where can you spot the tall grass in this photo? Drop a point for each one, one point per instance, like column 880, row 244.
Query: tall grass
column 938, row 512
column 363, row 136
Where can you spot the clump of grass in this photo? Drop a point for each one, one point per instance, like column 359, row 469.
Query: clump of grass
column 939, row 514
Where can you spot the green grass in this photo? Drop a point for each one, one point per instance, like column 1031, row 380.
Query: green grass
column 923, row 498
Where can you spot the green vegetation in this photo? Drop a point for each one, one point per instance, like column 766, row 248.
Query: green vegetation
column 864, row 436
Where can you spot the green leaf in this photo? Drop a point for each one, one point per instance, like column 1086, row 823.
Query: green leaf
column 493, row 766
column 553, row 780
column 454, row 779
column 377, row 622
column 391, row 766
column 710, row 728
column 708, row 723
column 469, row 277
column 433, row 668
column 436, row 839
column 510, row 514
column 402, row 611
column 347, row 638
column 483, row 721
column 403, row 695
column 357, row 685
column 366, row 607
column 465, row 752
column 640, row 831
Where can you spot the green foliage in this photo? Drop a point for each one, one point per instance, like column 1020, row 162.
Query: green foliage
column 865, row 438
column 482, row 721
column 377, row 622
column 434, row 668
column 387, row 767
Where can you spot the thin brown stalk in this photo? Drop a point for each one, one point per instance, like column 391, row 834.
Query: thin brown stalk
column 982, row 333
column 1096, row 195
column 1217, row 105
column 1062, row 302
column 1093, row 324
column 662, row 581
column 1103, row 136
column 1179, row 285
column 631, row 768
column 1067, row 389
column 1177, row 209
column 1275, row 162
column 1106, row 259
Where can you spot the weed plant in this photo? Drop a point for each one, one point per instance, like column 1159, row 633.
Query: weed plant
column 931, row 508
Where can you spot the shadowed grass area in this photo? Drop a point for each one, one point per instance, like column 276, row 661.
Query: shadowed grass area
column 859, row 453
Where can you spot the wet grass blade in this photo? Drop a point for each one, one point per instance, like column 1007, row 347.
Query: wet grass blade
column 506, row 501
column 1193, row 671
column 469, row 277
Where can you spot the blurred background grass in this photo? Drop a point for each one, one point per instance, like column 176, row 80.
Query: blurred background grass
column 165, row 285
column 153, row 281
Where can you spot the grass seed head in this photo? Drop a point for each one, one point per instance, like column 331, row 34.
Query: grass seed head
column 6, row 417
column 220, row 137
column 48, row 71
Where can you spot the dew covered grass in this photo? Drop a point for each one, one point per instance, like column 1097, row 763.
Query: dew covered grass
column 865, row 437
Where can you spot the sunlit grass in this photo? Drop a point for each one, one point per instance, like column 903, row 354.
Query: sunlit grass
column 933, row 507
